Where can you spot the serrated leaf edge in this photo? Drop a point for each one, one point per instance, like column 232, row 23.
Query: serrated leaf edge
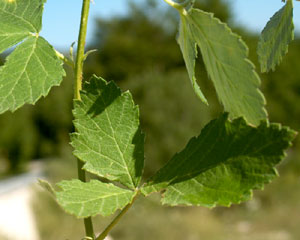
column 42, row 94
column 249, row 194
column 245, row 48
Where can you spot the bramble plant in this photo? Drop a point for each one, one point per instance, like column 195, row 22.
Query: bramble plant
column 232, row 155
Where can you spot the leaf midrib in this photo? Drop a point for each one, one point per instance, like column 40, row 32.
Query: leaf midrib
column 117, row 144
column 97, row 198
column 22, row 72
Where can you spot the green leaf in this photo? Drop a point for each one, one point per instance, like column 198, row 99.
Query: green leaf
column 92, row 198
column 225, row 58
column 189, row 51
column 33, row 68
column 275, row 38
column 108, row 138
column 29, row 73
column 223, row 164
column 18, row 20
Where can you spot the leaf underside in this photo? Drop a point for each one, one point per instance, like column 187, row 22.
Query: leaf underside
column 92, row 198
column 223, row 164
column 189, row 51
column 33, row 67
column 225, row 57
column 276, row 37
column 108, row 137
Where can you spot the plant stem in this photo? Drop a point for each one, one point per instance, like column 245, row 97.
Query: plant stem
column 114, row 222
column 80, row 48
column 77, row 87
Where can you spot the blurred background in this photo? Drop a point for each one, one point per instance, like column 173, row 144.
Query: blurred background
column 136, row 47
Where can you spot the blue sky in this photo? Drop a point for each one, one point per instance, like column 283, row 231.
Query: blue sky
column 61, row 17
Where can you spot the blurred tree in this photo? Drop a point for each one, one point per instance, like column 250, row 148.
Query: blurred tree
column 220, row 8
column 35, row 132
column 142, row 40
column 131, row 44
column 19, row 139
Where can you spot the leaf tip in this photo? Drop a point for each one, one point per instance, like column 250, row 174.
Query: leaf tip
column 46, row 186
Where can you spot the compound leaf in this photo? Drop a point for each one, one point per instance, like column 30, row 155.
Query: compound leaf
column 108, row 137
column 275, row 38
column 92, row 198
column 223, row 164
column 29, row 73
column 225, row 58
column 33, row 68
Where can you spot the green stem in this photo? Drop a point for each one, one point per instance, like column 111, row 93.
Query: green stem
column 77, row 87
column 114, row 222
column 80, row 48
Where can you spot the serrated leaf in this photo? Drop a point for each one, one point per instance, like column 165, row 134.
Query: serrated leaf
column 225, row 58
column 92, row 198
column 108, row 137
column 18, row 20
column 275, row 38
column 33, row 68
column 29, row 73
column 223, row 164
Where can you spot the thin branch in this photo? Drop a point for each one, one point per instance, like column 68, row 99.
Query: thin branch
column 114, row 222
